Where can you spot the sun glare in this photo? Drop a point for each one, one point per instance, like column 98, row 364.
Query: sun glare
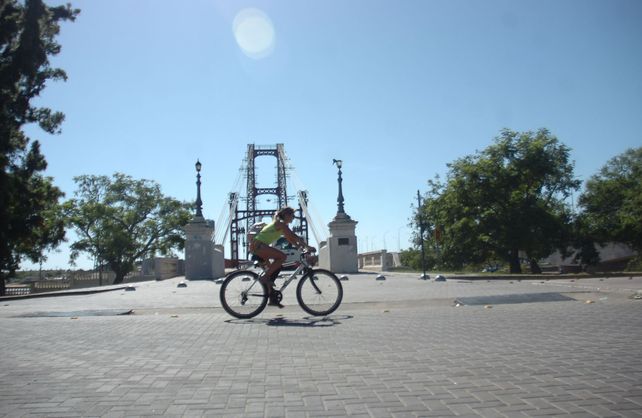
column 254, row 33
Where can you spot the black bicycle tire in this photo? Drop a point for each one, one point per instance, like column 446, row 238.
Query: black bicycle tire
column 307, row 308
column 228, row 308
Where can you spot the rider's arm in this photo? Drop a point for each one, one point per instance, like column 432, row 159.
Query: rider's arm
column 292, row 237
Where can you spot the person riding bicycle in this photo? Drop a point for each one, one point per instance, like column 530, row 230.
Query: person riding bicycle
column 261, row 247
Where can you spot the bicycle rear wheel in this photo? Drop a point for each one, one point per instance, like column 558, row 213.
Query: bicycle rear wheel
column 319, row 292
column 242, row 295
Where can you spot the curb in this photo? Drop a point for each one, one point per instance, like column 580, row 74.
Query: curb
column 63, row 293
column 523, row 276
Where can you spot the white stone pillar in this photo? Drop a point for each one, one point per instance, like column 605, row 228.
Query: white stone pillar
column 339, row 255
column 202, row 259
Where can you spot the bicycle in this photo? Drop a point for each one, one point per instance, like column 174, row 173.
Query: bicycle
column 244, row 296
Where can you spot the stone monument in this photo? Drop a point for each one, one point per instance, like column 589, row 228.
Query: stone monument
column 339, row 254
column 203, row 259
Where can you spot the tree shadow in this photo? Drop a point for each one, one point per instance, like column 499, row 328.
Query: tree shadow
column 307, row 322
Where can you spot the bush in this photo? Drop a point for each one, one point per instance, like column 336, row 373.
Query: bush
column 635, row 264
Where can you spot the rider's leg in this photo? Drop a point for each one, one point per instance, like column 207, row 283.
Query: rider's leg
column 275, row 266
column 275, row 275
column 278, row 258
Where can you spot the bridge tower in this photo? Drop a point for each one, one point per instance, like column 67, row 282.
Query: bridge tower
column 253, row 192
column 252, row 212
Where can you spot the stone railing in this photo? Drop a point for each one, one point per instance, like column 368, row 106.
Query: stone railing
column 376, row 260
column 50, row 285
column 17, row 289
column 80, row 280
column 152, row 269
column 163, row 268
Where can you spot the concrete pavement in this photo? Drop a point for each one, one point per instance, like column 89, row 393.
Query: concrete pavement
column 395, row 348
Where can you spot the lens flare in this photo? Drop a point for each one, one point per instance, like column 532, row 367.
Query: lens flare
column 254, row 33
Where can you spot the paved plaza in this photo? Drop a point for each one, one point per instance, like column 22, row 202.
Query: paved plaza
column 396, row 348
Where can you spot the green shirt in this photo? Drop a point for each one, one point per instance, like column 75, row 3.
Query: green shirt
column 268, row 234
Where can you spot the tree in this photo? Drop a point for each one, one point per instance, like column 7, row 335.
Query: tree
column 611, row 204
column 412, row 258
column 28, row 200
column 122, row 220
column 504, row 201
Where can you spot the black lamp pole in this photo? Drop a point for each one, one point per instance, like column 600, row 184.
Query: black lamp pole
column 199, row 202
column 421, row 235
column 339, row 164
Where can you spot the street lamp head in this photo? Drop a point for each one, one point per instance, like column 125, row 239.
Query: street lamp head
column 198, row 166
column 339, row 163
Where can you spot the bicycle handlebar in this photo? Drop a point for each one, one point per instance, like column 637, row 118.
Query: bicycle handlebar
column 305, row 252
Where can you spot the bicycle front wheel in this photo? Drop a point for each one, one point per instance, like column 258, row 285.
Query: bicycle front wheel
column 242, row 295
column 319, row 292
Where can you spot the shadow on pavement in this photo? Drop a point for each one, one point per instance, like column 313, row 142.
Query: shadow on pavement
column 517, row 298
column 310, row 321
column 75, row 314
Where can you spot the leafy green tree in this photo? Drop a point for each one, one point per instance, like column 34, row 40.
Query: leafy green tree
column 120, row 220
column 412, row 258
column 28, row 200
column 611, row 204
column 504, row 201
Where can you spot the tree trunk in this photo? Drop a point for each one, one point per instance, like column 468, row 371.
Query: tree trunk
column 515, row 266
column 120, row 273
column 120, row 269
column 3, row 289
column 535, row 268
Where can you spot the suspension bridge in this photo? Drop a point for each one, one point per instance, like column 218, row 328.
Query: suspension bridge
column 248, row 203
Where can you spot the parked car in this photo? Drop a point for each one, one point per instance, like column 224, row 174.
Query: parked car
column 491, row 269
column 292, row 253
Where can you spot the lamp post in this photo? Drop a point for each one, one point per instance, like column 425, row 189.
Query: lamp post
column 421, row 235
column 199, row 202
column 340, row 209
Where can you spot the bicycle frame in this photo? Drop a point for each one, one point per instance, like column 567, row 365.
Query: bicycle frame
column 303, row 267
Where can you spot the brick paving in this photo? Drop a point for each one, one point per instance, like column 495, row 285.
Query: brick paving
column 397, row 348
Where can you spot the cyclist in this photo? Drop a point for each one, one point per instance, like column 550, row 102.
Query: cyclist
column 260, row 246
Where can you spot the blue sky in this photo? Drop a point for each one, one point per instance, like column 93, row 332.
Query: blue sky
column 395, row 89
